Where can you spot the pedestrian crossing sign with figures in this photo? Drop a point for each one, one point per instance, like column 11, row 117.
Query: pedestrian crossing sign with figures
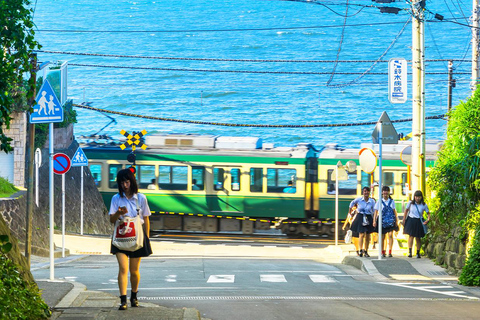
column 79, row 159
column 48, row 108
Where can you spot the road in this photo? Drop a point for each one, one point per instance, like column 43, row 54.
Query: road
column 242, row 287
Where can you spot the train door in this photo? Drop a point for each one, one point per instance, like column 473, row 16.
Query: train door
column 226, row 187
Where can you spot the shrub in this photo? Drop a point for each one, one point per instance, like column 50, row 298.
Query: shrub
column 18, row 298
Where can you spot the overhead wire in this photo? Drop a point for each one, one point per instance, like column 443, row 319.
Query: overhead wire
column 84, row 106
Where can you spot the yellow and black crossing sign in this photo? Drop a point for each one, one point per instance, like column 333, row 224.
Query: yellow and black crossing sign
column 133, row 141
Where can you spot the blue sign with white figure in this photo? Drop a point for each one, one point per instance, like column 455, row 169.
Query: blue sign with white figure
column 79, row 158
column 48, row 108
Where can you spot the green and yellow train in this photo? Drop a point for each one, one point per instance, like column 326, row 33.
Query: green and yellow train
column 214, row 184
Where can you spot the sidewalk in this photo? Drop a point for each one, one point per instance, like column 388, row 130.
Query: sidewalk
column 72, row 300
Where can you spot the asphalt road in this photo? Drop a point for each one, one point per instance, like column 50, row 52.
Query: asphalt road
column 273, row 288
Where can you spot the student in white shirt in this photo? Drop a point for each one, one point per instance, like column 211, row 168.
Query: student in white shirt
column 413, row 221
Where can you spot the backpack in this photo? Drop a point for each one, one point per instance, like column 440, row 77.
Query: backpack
column 388, row 216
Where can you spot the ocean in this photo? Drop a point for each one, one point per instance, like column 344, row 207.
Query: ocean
column 264, row 62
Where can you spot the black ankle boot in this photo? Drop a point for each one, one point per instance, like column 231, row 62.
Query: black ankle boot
column 134, row 300
column 361, row 253
column 409, row 252
column 123, row 303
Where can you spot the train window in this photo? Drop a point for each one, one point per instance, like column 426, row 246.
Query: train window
column 256, row 179
column 218, row 178
column 235, row 177
column 345, row 187
column 281, row 180
column 146, row 177
column 366, row 180
column 173, row 177
column 388, row 181
column 96, row 171
column 404, row 183
column 112, row 175
column 198, row 178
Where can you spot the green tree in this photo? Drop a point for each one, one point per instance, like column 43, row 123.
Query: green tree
column 16, row 45
column 456, row 181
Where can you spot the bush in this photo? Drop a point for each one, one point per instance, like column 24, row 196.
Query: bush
column 6, row 188
column 471, row 272
column 18, row 298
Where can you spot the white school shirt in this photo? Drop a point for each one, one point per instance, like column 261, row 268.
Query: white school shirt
column 363, row 206
column 131, row 205
column 385, row 203
column 412, row 210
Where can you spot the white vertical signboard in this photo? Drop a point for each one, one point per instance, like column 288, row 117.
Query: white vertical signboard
column 397, row 80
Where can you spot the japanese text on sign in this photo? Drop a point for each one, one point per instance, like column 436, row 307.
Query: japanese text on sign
column 397, row 80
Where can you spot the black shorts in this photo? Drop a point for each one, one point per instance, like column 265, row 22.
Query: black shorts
column 145, row 251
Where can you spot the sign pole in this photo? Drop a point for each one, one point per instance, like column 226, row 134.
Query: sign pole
column 81, row 201
column 63, row 215
column 336, row 205
column 51, row 202
column 380, row 242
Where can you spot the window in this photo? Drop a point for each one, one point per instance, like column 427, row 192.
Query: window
column 198, row 178
column 235, row 177
column 146, row 177
column 218, row 178
column 173, row 177
column 112, row 175
column 256, row 179
column 366, row 180
column 96, row 171
column 345, row 187
column 388, row 180
column 404, row 183
column 281, row 180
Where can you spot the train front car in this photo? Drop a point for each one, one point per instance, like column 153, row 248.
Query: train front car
column 212, row 184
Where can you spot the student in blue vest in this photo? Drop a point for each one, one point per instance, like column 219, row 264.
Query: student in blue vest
column 389, row 220
column 413, row 222
column 363, row 222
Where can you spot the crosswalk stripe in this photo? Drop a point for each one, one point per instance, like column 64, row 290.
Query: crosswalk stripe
column 272, row 278
column 217, row 278
column 321, row 278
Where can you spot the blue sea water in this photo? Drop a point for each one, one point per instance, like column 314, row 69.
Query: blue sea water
column 249, row 30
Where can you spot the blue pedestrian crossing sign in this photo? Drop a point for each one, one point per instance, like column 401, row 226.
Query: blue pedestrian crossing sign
column 48, row 108
column 79, row 159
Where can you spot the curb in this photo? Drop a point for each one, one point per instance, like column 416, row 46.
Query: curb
column 70, row 297
column 191, row 314
column 365, row 265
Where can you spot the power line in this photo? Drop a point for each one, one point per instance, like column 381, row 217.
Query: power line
column 215, row 30
column 441, row 116
column 237, row 71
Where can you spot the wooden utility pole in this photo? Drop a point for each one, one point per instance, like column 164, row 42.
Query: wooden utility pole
column 29, row 160
column 418, row 100
column 475, row 43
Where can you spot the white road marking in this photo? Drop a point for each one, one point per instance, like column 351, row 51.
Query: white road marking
column 456, row 294
column 321, row 278
column 272, row 278
column 171, row 278
column 218, row 278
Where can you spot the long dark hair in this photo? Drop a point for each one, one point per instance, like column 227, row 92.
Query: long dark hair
column 366, row 188
column 124, row 175
column 386, row 188
column 417, row 193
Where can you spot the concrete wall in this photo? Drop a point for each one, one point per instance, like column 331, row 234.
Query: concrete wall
column 18, row 132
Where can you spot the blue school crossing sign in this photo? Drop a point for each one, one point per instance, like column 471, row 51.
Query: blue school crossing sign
column 79, row 158
column 48, row 108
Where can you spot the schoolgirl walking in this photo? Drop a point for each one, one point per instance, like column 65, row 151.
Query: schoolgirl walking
column 414, row 223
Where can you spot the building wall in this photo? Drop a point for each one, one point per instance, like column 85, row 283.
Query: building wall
column 18, row 132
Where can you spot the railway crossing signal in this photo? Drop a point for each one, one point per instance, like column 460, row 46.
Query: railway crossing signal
column 133, row 141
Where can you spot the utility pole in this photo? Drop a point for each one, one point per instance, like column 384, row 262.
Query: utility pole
column 29, row 160
column 475, row 43
column 418, row 105
column 451, row 84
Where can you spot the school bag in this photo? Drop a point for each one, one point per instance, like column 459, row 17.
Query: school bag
column 388, row 216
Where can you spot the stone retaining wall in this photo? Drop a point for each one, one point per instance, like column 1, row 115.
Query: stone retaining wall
column 448, row 250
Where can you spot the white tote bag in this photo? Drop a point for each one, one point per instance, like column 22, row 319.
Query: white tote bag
column 128, row 233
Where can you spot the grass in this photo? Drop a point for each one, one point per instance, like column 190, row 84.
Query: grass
column 6, row 188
